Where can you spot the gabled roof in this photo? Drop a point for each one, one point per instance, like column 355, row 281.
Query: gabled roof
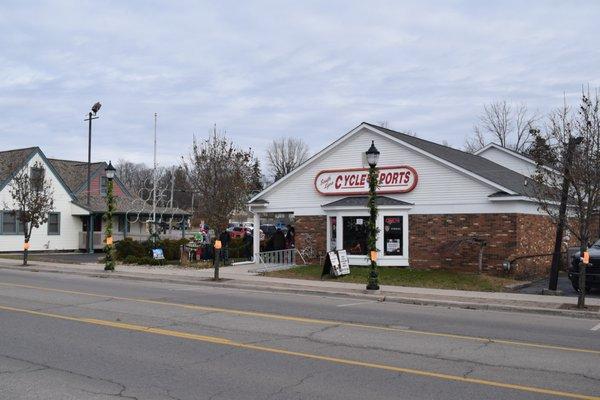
column 74, row 173
column 513, row 153
column 495, row 175
column 477, row 165
column 361, row 201
column 11, row 161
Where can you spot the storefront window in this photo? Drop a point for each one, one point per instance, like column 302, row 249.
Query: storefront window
column 392, row 236
column 333, row 241
column 355, row 235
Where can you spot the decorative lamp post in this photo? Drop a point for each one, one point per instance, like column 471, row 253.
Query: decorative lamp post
column 90, row 228
column 372, row 158
column 109, row 251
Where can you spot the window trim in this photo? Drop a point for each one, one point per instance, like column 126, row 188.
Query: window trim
column 103, row 188
column 59, row 224
column 19, row 230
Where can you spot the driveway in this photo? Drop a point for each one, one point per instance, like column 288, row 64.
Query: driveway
column 564, row 284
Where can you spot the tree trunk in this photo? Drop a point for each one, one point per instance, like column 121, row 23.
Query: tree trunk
column 25, row 250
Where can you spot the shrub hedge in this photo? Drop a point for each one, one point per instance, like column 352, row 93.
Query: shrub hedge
column 133, row 252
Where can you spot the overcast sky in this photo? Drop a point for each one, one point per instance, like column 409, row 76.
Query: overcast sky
column 262, row 70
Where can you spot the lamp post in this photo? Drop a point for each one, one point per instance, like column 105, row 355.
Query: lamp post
column 109, row 256
column 90, row 226
column 372, row 158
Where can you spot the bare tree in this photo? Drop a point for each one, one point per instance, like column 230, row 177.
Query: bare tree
column 582, row 174
column 32, row 200
column 505, row 124
column 222, row 177
column 285, row 155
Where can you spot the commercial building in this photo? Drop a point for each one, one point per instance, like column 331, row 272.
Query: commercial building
column 437, row 205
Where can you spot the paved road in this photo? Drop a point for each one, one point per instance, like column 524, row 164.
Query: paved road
column 66, row 337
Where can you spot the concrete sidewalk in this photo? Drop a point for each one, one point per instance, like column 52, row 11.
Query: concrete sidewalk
column 240, row 277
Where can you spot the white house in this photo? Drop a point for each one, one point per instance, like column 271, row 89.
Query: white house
column 67, row 225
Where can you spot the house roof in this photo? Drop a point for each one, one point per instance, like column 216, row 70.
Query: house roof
column 496, row 175
column 361, row 201
column 11, row 161
column 125, row 205
column 477, row 165
column 73, row 173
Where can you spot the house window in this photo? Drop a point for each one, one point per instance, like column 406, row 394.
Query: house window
column 355, row 235
column 333, row 241
column 122, row 224
column 103, row 183
column 393, row 236
column 54, row 223
column 36, row 178
column 11, row 224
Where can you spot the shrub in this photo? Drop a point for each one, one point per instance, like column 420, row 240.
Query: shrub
column 129, row 247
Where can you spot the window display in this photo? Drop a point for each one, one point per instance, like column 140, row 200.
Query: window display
column 355, row 235
column 392, row 236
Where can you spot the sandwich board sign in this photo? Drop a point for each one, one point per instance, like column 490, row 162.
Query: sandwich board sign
column 344, row 263
column 336, row 264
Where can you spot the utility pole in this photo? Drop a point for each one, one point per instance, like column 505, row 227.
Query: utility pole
column 562, row 211
column 154, row 181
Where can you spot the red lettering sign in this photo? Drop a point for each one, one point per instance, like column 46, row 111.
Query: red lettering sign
column 400, row 179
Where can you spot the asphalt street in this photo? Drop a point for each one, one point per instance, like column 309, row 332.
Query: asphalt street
column 73, row 337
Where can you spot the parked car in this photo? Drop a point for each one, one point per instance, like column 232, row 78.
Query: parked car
column 592, row 272
column 237, row 232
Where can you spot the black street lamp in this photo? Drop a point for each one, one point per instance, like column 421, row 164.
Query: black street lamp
column 90, row 227
column 372, row 158
column 109, row 256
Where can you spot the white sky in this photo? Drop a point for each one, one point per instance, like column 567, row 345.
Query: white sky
column 262, row 70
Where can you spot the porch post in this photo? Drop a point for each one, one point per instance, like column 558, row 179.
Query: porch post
column 256, row 238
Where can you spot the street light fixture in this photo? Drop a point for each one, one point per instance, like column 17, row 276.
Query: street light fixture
column 90, row 227
column 372, row 158
column 110, row 171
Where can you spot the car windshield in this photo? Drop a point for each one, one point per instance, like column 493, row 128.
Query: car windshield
column 597, row 244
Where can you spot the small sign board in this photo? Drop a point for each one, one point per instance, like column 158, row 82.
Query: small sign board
column 344, row 262
column 336, row 264
column 158, row 254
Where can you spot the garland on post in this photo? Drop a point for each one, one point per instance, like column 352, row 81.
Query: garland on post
column 109, row 248
column 373, row 230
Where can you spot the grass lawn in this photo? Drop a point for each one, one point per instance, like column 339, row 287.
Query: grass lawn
column 436, row 279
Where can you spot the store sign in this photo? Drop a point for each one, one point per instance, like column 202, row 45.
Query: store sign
column 399, row 179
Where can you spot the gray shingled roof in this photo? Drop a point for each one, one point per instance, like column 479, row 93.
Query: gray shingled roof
column 361, row 201
column 126, row 204
column 478, row 165
column 11, row 160
column 73, row 173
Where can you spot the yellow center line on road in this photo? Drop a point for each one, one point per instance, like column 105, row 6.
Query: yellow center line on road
column 282, row 317
column 336, row 360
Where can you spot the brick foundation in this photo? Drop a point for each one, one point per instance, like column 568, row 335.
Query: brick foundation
column 311, row 231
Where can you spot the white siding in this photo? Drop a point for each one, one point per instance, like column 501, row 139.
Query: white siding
column 70, row 225
column 441, row 188
column 509, row 161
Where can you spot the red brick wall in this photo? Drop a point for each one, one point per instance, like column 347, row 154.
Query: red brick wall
column 311, row 231
column 435, row 240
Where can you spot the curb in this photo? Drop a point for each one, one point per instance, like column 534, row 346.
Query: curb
column 231, row 283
